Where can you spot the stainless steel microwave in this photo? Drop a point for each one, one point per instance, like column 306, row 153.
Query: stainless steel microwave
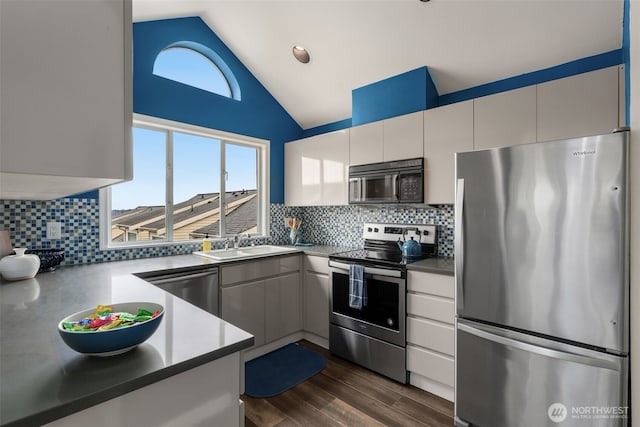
column 400, row 181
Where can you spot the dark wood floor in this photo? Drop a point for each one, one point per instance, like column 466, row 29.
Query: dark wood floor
column 344, row 394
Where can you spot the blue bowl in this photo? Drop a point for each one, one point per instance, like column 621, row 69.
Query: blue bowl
column 112, row 341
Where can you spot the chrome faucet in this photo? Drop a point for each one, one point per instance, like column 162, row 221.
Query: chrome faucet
column 238, row 238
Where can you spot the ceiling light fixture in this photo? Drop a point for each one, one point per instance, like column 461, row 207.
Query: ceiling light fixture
column 301, row 54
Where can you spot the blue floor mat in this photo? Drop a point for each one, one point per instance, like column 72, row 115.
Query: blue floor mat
column 281, row 370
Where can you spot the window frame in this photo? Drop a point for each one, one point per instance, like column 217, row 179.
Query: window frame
column 169, row 127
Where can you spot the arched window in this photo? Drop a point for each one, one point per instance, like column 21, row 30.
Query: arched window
column 196, row 66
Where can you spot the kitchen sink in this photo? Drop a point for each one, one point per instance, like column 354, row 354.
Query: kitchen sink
column 245, row 252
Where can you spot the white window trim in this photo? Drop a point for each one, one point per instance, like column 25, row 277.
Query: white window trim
column 264, row 155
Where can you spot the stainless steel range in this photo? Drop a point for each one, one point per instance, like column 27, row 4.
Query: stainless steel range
column 374, row 335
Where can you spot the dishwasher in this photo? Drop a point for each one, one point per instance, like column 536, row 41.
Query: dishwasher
column 196, row 286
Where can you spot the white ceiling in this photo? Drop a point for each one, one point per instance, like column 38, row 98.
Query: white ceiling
column 464, row 43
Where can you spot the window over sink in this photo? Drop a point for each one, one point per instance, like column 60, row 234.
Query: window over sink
column 189, row 183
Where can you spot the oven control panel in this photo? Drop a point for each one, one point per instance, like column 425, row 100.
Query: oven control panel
column 392, row 232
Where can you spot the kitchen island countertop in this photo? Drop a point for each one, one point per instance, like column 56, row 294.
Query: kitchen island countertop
column 41, row 379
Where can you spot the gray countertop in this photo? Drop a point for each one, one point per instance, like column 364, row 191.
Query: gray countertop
column 322, row 250
column 439, row 265
column 41, row 379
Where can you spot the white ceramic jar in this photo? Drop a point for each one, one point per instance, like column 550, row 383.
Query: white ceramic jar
column 19, row 266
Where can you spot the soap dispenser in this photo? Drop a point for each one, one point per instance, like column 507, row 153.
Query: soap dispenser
column 206, row 243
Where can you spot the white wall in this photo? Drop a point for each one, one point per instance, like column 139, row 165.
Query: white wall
column 634, row 21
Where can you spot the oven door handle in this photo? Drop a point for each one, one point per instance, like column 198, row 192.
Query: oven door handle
column 367, row 270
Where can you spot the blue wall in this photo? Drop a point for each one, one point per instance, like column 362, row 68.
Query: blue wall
column 257, row 114
column 402, row 94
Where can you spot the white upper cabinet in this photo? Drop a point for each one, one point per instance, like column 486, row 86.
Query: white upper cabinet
column 580, row 105
column 66, row 98
column 396, row 138
column 447, row 130
column 316, row 170
column 293, row 174
column 403, row 137
column 365, row 143
column 504, row 119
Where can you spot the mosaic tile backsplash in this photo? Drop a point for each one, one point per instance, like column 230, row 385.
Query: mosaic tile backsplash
column 26, row 222
column 342, row 225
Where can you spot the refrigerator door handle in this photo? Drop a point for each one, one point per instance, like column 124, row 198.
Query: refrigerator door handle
column 459, row 245
column 544, row 351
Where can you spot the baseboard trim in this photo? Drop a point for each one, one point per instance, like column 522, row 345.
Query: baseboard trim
column 317, row 340
column 431, row 386
column 273, row 345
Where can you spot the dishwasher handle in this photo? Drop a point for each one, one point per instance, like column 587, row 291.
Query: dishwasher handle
column 177, row 277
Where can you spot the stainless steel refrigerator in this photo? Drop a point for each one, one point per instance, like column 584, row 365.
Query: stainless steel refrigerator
column 542, row 284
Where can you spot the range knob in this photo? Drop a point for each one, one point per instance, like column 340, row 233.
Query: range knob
column 369, row 229
column 375, row 229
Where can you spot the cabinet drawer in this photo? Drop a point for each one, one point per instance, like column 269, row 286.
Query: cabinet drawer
column 434, row 366
column 429, row 283
column 431, row 307
column 261, row 268
column 436, row 336
column 318, row 264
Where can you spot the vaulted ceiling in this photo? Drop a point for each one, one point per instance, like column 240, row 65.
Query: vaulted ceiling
column 464, row 43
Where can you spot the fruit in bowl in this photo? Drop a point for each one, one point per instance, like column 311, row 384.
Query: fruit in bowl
column 111, row 330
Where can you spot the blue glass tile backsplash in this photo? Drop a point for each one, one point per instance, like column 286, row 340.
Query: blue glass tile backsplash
column 26, row 222
column 342, row 225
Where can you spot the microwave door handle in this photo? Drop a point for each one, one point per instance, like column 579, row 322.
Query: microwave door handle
column 396, row 188
column 356, row 185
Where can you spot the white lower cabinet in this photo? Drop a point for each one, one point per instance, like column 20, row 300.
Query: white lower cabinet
column 431, row 332
column 207, row 396
column 263, row 297
column 434, row 366
column 283, row 314
column 243, row 305
column 316, row 296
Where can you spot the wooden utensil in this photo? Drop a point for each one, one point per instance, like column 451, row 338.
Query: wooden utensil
column 5, row 243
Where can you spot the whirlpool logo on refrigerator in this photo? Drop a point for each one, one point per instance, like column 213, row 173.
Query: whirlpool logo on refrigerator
column 583, row 153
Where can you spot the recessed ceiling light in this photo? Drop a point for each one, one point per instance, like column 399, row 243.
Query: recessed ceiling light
column 301, row 54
